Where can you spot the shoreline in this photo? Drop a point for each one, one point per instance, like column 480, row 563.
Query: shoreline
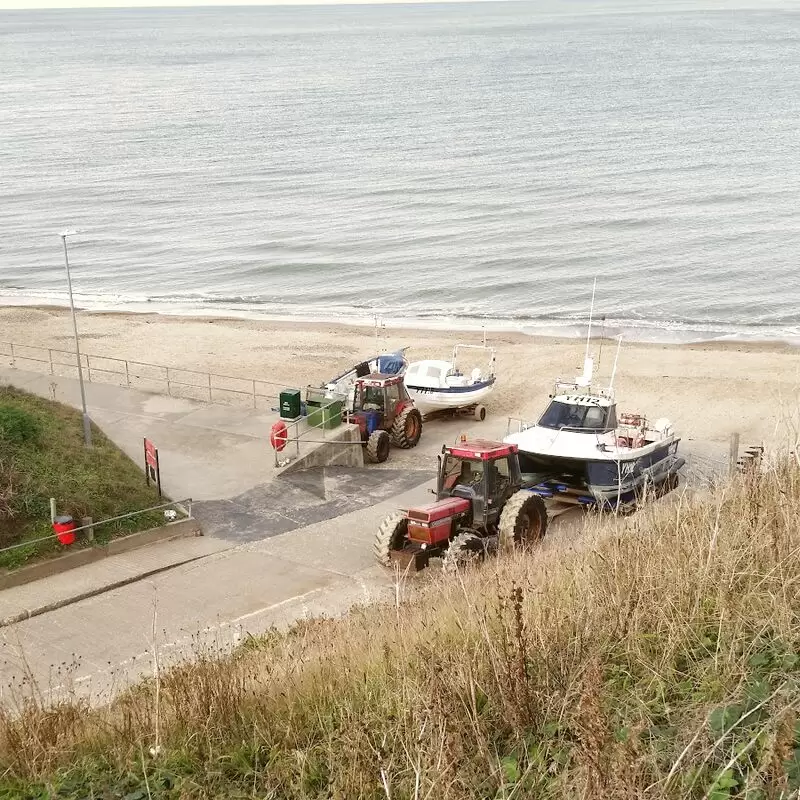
column 572, row 332
column 709, row 390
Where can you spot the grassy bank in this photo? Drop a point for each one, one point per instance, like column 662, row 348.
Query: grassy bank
column 658, row 659
column 42, row 456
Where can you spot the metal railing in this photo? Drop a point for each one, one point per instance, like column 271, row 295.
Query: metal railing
column 300, row 430
column 189, row 384
column 183, row 506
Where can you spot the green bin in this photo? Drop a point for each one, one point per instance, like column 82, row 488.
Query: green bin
column 290, row 404
column 325, row 416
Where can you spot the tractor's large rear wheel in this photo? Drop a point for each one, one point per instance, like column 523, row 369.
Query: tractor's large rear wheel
column 407, row 428
column 523, row 522
column 378, row 446
column 467, row 549
column 390, row 536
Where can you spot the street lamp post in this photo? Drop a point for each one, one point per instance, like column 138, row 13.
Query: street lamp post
column 87, row 425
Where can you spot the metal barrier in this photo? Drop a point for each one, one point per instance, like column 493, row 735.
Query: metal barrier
column 522, row 425
column 184, row 506
column 297, row 432
column 189, row 384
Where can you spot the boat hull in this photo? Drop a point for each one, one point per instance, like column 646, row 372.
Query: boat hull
column 607, row 481
column 429, row 399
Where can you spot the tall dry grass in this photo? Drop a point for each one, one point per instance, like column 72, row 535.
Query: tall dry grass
column 658, row 659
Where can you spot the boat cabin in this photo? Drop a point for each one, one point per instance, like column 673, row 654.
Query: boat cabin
column 433, row 374
column 580, row 413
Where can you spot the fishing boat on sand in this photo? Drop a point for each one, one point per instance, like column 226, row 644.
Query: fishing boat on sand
column 582, row 452
column 441, row 386
column 385, row 364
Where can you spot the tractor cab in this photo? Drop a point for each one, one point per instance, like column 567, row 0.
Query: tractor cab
column 378, row 399
column 485, row 473
column 381, row 407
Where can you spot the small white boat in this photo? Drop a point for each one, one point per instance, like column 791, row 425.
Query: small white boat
column 441, row 386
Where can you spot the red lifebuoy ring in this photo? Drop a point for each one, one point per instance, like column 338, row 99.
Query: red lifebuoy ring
column 279, row 435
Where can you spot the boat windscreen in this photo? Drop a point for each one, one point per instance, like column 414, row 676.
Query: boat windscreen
column 572, row 416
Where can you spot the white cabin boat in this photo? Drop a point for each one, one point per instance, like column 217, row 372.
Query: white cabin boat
column 437, row 385
column 580, row 447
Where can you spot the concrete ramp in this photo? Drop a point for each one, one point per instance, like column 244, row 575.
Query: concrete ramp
column 339, row 447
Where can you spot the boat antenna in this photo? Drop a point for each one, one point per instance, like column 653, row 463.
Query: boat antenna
column 616, row 358
column 591, row 313
column 602, row 336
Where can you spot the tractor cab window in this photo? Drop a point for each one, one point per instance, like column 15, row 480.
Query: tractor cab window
column 393, row 394
column 499, row 475
column 576, row 417
column 462, row 472
column 372, row 398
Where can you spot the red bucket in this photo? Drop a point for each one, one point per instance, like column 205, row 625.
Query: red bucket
column 64, row 528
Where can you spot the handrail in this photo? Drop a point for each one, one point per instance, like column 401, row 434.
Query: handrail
column 178, row 503
column 129, row 372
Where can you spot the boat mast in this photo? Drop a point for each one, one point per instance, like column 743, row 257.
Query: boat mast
column 591, row 314
column 616, row 358
column 588, row 366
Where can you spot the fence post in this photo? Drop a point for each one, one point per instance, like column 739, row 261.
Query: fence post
column 13, row 358
column 53, row 513
column 50, row 358
column 733, row 455
column 88, row 534
column 169, row 388
column 127, row 376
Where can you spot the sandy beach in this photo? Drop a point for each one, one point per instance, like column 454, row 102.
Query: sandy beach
column 708, row 390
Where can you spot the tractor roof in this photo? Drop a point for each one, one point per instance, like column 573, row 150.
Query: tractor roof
column 484, row 449
column 379, row 379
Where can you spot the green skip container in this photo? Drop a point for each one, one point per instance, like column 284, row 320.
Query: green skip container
column 289, row 402
column 327, row 416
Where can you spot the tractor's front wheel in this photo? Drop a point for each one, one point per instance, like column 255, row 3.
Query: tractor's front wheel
column 523, row 522
column 467, row 549
column 390, row 536
column 407, row 428
column 378, row 446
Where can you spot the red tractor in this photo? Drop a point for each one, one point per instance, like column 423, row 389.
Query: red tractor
column 480, row 505
column 383, row 410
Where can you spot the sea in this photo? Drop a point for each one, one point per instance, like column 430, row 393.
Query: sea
column 452, row 165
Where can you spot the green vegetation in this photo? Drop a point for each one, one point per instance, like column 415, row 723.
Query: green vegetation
column 42, row 456
column 657, row 657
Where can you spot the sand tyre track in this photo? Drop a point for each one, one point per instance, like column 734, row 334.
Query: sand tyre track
column 391, row 535
column 378, row 446
column 523, row 522
column 407, row 428
column 467, row 549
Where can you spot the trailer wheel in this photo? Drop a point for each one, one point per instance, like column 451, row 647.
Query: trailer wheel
column 390, row 536
column 523, row 522
column 378, row 446
column 407, row 428
column 480, row 413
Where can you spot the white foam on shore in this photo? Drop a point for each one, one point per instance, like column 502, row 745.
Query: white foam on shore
column 639, row 330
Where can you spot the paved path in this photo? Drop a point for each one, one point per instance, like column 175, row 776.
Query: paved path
column 273, row 550
column 105, row 641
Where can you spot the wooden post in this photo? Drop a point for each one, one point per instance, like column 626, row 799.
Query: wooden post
column 53, row 513
column 734, row 454
column 88, row 533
